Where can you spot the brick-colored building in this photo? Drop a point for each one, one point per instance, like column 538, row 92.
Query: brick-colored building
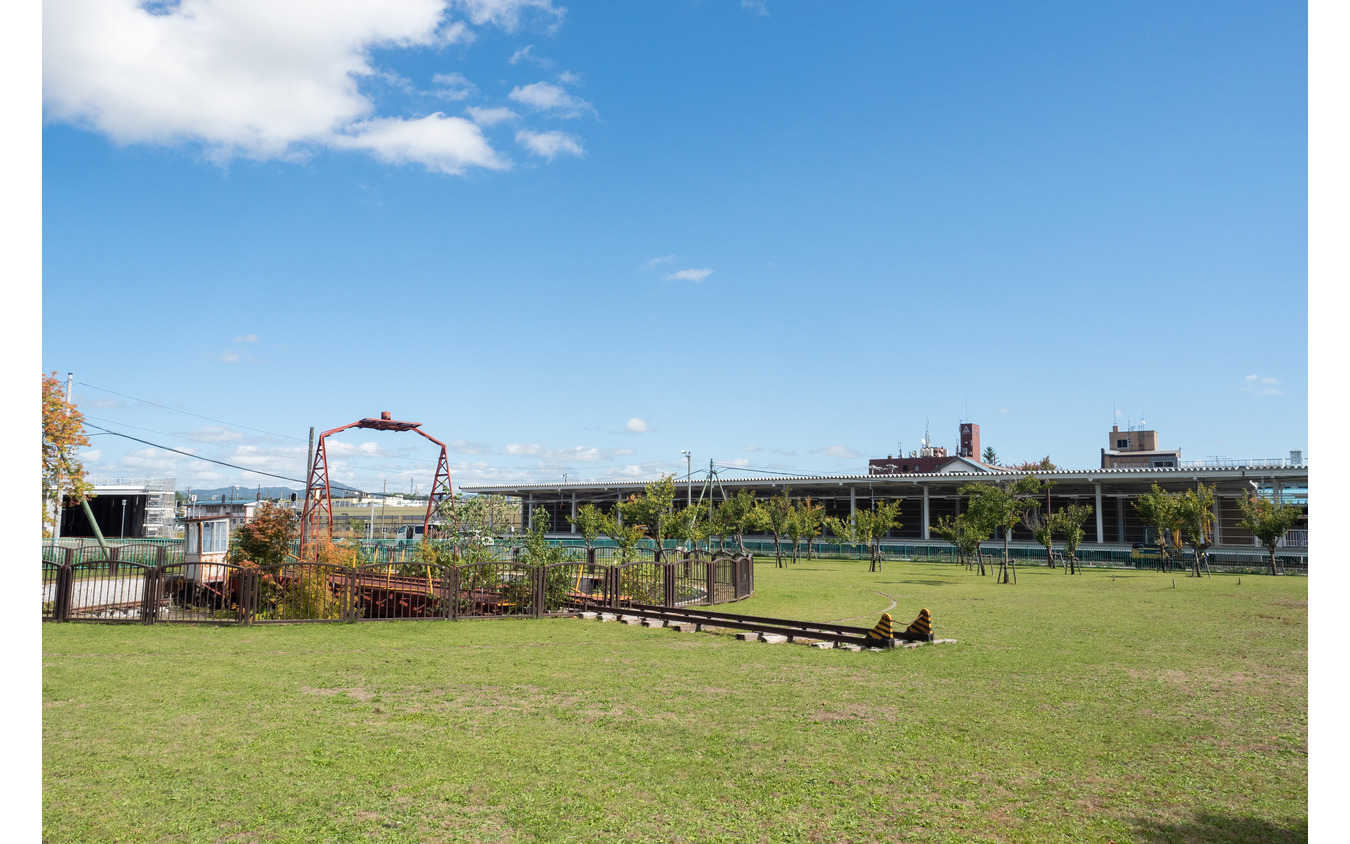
column 1137, row 450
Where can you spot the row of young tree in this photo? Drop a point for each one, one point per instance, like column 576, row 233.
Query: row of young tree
column 999, row 508
column 1192, row 515
column 792, row 523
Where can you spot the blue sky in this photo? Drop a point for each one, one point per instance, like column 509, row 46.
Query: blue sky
column 781, row 235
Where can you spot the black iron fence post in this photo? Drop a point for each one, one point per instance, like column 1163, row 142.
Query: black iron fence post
column 452, row 587
column 65, row 586
column 248, row 579
column 710, row 575
column 539, row 578
column 150, row 594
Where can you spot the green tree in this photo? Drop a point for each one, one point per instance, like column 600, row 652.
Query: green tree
column 990, row 456
column 62, row 433
column 775, row 516
column 535, row 547
column 733, row 517
column 477, row 525
column 651, row 510
column 1002, row 506
column 810, row 518
column 626, row 536
column 1042, row 465
column 1196, row 513
column 690, row 525
column 590, row 521
column 845, row 532
column 874, row 524
column 1069, row 522
column 1160, row 510
column 267, row 538
column 1268, row 521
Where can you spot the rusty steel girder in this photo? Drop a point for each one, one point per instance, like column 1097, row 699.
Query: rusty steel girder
column 318, row 492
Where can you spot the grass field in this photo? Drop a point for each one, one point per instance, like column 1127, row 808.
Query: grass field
column 1095, row 708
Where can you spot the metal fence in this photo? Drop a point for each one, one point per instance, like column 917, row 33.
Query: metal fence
column 1255, row 561
column 112, row 589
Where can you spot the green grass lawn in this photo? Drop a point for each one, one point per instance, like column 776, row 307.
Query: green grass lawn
column 1096, row 707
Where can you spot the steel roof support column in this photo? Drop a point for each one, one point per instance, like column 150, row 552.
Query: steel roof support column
column 1101, row 537
column 925, row 511
column 852, row 503
column 574, row 511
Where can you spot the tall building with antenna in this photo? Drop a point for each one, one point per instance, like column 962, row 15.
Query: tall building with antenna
column 1137, row 449
column 934, row 458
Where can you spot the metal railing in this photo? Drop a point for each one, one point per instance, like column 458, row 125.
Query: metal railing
column 167, row 591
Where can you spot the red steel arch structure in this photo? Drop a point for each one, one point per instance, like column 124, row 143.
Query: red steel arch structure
column 318, row 494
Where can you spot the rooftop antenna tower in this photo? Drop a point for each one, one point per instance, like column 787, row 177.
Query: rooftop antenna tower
column 927, row 437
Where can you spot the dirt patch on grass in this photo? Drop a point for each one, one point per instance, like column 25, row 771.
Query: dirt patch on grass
column 854, row 712
column 353, row 692
column 1194, row 678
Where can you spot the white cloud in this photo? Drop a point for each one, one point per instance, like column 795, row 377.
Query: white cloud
column 739, row 461
column 247, row 338
column 507, row 13
column 527, row 53
column 215, row 434
column 453, row 86
column 546, row 96
column 1004, row 410
column 523, row 449
column 549, row 145
column 652, row 263
column 759, row 7
column 1262, row 385
column 439, row 143
column 689, row 275
column 750, row 448
column 467, row 447
column 229, row 357
column 261, row 79
column 838, row 451
column 490, row 116
column 636, row 425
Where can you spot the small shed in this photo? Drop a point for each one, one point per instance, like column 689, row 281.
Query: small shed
column 208, row 538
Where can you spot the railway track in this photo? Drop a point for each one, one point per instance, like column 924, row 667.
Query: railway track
column 794, row 631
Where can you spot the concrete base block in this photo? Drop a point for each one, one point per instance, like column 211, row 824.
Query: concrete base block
column 773, row 638
column 608, row 616
column 747, row 636
column 911, row 645
column 590, row 616
column 683, row 626
column 631, row 620
column 845, row 646
column 944, row 641
column 653, row 622
column 822, row 645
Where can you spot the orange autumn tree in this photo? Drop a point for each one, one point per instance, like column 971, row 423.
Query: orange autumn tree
column 62, row 434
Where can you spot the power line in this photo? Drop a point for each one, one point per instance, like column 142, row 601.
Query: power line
column 194, row 456
column 188, row 413
column 771, row 471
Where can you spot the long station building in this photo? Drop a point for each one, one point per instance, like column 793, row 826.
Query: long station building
column 926, row 497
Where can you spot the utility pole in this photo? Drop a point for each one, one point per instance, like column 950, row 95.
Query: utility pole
column 688, row 477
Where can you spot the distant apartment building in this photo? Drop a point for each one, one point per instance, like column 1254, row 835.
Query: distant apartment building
column 1137, row 450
